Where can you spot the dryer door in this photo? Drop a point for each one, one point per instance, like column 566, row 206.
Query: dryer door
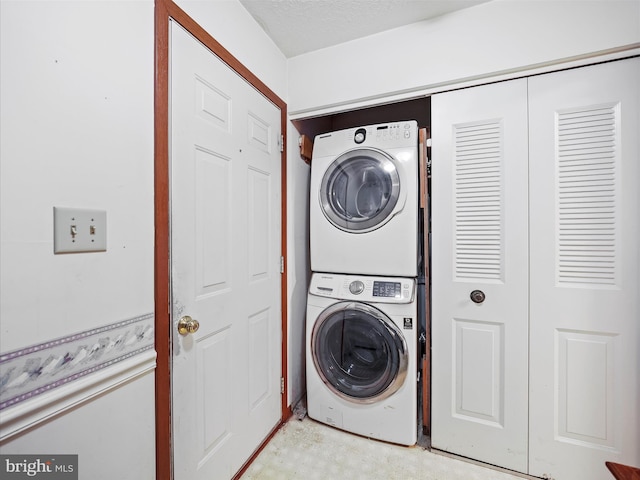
column 359, row 353
column 360, row 190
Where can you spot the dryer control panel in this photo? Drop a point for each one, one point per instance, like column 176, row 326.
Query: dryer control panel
column 386, row 136
column 363, row 288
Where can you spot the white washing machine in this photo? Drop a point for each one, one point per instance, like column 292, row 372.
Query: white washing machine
column 362, row 355
column 363, row 208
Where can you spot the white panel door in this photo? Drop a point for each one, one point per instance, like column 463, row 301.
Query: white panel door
column 585, row 237
column 480, row 242
column 225, row 257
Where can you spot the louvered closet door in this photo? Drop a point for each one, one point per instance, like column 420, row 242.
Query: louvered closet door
column 480, row 242
column 585, row 315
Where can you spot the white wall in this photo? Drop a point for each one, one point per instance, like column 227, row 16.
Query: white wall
column 77, row 131
column 113, row 435
column 495, row 38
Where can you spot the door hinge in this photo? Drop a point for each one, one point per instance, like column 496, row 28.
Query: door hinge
column 281, row 264
column 281, row 385
column 281, row 143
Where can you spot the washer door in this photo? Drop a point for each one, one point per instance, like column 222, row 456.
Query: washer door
column 360, row 190
column 359, row 353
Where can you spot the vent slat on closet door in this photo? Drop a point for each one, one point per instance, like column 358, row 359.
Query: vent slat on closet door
column 478, row 200
column 586, row 195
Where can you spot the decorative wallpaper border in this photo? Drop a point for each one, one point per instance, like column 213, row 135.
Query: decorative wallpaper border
column 31, row 371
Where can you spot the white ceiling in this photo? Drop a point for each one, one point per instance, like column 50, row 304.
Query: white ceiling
column 300, row 26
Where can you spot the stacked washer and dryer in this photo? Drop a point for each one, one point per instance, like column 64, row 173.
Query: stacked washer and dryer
column 362, row 315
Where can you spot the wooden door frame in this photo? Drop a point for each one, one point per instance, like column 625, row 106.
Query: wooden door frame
column 166, row 10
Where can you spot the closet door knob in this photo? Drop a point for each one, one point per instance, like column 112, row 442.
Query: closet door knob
column 477, row 296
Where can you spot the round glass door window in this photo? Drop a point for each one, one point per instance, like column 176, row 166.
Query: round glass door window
column 359, row 353
column 360, row 190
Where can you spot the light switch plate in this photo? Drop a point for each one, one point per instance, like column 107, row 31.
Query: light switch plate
column 79, row 230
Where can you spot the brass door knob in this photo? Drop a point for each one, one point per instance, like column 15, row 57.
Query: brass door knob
column 188, row 325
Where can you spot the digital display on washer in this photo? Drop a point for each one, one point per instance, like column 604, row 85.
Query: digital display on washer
column 386, row 289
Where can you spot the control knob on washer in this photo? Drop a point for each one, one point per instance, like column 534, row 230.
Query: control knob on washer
column 356, row 287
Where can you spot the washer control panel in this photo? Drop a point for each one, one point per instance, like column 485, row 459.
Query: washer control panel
column 363, row 288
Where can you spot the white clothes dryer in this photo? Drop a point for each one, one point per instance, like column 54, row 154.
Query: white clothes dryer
column 363, row 209
column 362, row 355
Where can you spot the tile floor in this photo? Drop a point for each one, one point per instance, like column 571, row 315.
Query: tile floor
column 308, row 450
